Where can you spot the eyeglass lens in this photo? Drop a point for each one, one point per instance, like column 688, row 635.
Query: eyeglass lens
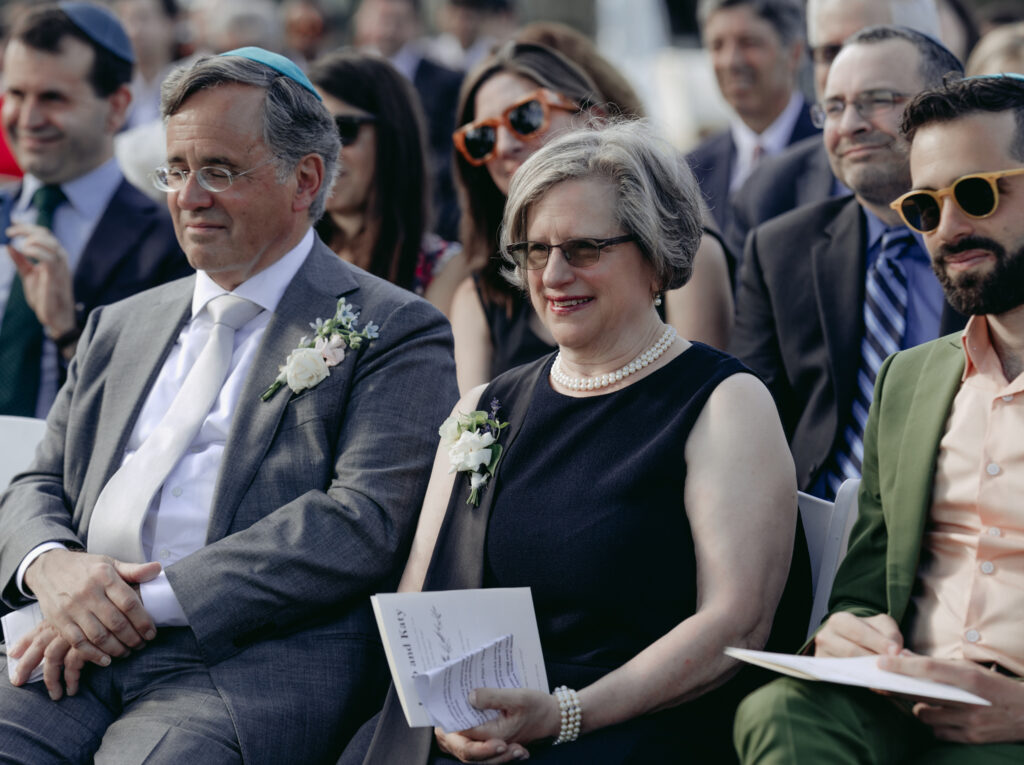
column 578, row 252
column 214, row 179
column 974, row 196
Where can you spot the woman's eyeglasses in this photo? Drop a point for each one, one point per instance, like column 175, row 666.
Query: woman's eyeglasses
column 526, row 118
column 349, row 124
column 976, row 194
column 580, row 253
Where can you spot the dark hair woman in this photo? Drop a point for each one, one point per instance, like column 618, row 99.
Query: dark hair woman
column 378, row 212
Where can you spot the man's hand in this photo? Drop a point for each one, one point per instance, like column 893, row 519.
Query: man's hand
column 42, row 264
column 45, row 645
column 91, row 602
column 965, row 723
column 844, row 634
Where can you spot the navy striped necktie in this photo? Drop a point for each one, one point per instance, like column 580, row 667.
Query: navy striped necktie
column 21, row 334
column 885, row 323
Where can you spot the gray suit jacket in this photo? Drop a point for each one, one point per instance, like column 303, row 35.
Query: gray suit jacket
column 314, row 508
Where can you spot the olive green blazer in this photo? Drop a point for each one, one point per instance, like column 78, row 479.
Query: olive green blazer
column 913, row 395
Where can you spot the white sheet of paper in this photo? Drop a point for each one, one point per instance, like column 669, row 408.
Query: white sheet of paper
column 444, row 690
column 425, row 630
column 861, row 671
column 16, row 624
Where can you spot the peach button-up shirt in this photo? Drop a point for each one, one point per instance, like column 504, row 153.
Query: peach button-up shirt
column 969, row 602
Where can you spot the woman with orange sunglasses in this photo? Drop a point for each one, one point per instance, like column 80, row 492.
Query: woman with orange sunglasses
column 510, row 106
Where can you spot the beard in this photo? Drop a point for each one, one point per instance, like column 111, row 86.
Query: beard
column 996, row 291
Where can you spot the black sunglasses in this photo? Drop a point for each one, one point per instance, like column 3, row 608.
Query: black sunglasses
column 348, row 126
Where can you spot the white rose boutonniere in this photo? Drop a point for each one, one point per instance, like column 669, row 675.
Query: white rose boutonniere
column 305, row 368
column 472, row 444
column 310, row 363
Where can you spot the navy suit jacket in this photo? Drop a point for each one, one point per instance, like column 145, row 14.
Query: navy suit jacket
column 712, row 163
column 800, row 321
column 314, row 507
column 132, row 248
column 438, row 88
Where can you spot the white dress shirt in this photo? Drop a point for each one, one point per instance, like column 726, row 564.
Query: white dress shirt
column 176, row 522
column 772, row 140
column 73, row 224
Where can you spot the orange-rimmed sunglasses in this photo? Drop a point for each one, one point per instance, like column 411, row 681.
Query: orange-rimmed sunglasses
column 976, row 194
column 526, row 118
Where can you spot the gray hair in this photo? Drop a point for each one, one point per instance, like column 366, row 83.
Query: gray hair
column 295, row 124
column 785, row 16
column 658, row 200
column 936, row 59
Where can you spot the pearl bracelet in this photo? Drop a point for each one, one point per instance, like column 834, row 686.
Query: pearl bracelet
column 572, row 715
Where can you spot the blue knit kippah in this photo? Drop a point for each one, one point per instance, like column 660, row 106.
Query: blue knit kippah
column 101, row 26
column 1010, row 75
column 278, row 63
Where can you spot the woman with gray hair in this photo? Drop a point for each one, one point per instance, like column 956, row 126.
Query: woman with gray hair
column 613, row 494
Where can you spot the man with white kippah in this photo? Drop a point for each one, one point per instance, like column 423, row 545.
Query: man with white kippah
column 233, row 467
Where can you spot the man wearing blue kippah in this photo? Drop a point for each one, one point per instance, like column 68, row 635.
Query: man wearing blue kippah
column 931, row 584
column 234, row 466
column 78, row 234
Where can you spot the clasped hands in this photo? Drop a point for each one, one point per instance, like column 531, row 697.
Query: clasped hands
column 92, row 613
column 42, row 264
column 523, row 716
column 847, row 635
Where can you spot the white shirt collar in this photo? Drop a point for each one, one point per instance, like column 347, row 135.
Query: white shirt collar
column 407, row 59
column 264, row 288
column 772, row 140
column 88, row 194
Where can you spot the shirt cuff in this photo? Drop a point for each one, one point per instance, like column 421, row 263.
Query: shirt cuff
column 162, row 604
column 19, row 577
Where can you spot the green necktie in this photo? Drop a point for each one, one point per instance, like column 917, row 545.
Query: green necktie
column 21, row 334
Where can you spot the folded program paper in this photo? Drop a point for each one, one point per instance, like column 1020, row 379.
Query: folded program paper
column 862, row 671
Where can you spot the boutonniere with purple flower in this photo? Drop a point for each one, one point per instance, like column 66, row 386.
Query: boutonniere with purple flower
column 311, row 362
column 472, row 444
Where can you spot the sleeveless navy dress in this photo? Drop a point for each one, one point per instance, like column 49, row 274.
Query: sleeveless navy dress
column 587, row 510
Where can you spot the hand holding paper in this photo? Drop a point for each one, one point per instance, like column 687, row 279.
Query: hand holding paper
column 1002, row 720
column 862, row 671
column 524, row 715
column 445, row 690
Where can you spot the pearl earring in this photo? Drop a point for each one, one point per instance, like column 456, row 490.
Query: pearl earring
column 657, row 300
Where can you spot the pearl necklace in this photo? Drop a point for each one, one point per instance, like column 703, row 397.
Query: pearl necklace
column 596, row 383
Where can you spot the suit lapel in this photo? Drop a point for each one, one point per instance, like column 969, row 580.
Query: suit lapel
column 838, row 268
column 309, row 296
column 117, row 233
column 913, row 475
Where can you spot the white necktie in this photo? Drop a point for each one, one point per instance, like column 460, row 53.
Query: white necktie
column 116, row 524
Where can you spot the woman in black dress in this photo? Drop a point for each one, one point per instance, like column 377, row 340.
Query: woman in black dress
column 645, row 490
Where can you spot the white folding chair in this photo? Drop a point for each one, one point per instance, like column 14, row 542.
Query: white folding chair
column 19, row 437
column 827, row 528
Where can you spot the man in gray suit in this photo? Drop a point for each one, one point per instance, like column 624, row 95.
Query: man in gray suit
column 293, row 500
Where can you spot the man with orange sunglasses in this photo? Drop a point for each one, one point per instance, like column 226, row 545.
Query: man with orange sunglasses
column 931, row 582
